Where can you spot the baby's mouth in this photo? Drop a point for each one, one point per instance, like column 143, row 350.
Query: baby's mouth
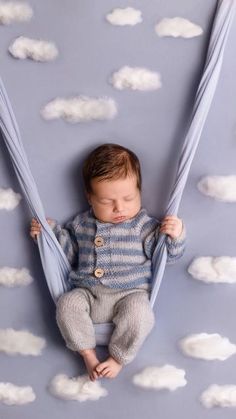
column 120, row 218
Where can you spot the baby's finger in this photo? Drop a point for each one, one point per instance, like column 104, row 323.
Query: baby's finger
column 105, row 371
column 34, row 220
column 33, row 235
column 36, row 228
column 108, row 375
column 168, row 224
column 35, row 231
column 167, row 229
column 171, row 217
column 34, row 223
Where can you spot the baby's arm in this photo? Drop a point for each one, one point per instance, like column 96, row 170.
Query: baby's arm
column 65, row 235
column 175, row 244
column 67, row 239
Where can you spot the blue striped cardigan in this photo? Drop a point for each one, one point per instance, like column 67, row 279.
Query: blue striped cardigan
column 124, row 256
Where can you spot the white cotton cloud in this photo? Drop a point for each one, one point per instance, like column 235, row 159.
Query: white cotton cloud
column 222, row 396
column 37, row 50
column 207, row 346
column 166, row 377
column 127, row 16
column 80, row 109
column 21, row 342
column 11, row 277
column 221, row 188
column 209, row 269
column 136, row 78
column 14, row 12
column 11, row 394
column 9, row 199
column 177, row 27
column 77, row 388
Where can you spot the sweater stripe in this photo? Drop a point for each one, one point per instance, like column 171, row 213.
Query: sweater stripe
column 126, row 253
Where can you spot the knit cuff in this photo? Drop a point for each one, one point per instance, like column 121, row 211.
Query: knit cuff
column 117, row 355
column 122, row 357
column 55, row 226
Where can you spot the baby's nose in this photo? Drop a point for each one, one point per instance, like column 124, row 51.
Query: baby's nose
column 118, row 206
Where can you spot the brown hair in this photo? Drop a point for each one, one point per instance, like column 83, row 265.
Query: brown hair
column 110, row 161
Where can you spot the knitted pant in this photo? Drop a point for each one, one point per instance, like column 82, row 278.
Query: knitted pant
column 129, row 310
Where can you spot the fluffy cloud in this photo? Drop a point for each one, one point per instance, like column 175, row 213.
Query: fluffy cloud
column 127, row 16
column 80, row 109
column 11, row 277
column 9, row 199
column 38, row 50
column 11, row 394
column 14, row 12
column 136, row 78
column 214, row 269
column 207, row 346
column 168, row 377
column 176, row 27
column 77, row 388
column 222, row 396
column 21, row 342
column 221, row 188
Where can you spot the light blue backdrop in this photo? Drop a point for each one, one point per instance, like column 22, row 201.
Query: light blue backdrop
column 153, row 124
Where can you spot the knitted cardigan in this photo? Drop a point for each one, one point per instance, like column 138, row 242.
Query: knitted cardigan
column 117, row 255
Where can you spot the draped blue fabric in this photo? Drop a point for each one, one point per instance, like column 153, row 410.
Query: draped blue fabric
column 55, row 264
column 223, row 19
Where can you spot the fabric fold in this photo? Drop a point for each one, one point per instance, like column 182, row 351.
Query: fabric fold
column 55, row 264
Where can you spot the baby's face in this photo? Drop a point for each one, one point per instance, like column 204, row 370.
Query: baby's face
column 114, row 201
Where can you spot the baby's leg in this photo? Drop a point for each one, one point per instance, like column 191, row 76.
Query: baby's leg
column 75, row 324
column 134, row 319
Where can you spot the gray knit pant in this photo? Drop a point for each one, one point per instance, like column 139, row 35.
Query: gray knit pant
column 129, row 310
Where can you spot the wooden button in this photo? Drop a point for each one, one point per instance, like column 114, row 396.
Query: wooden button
column 99, row 241
column 99, row 272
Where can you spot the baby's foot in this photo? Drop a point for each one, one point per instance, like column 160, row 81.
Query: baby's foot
column 91, row 362
column 109, row 368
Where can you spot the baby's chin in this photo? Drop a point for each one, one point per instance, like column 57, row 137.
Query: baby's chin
column 120, row 219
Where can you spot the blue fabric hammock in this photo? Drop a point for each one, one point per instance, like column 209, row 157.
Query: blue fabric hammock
column 55, row 264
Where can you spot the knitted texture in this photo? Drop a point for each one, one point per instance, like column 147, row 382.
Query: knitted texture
column 125, row 254
column 130, row 311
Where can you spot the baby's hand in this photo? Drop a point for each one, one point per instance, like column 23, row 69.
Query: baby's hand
column 36, row 228
column 172, row 226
